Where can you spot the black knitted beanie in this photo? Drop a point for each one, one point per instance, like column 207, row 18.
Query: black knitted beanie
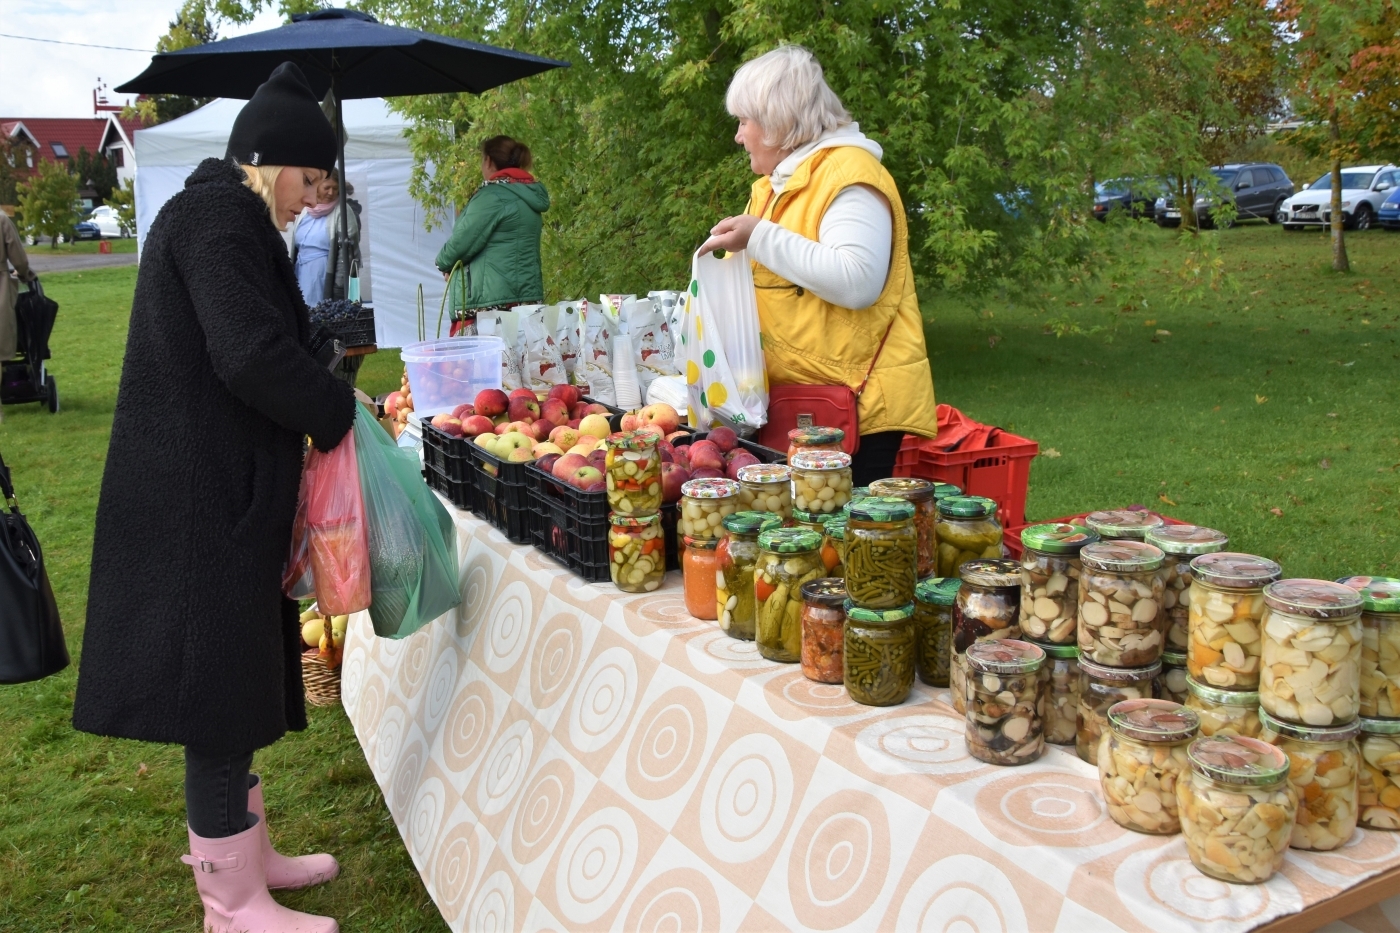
column 283, row 125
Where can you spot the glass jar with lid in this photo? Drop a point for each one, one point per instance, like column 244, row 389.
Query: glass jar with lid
column 834, row 546
column 879, row 654
column 857, row 492
column 698, row 573
column 1226, row 604
column 1181, row 544
column 704, row 505
column 814, row 438
column 1120, row 603
column 1237, row 808
column 810, row 522
column 919, row 493
column 967, row 529
column 766, row 487
column 821, row 481
column 1323, row 769
column 933, row 628
column 943, row 491
column 1006, row 702
column 636, row 552
column 988, row 604
column 736, row 556
column 1311, row 668
column 1099, row 688
column 633, row 466
column 1062, row 703
column 1378, row 781
column 881, row 553
column 1224, row 712
column 1171, row 683
column 1050, row 572
column 824, row 630
column 788, row 558
column 1123, row 524
column 1142, row 758
column 1380, row 645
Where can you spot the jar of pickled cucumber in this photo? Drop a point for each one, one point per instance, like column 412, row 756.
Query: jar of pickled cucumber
column 920, row 494
column 824, row 630
column 933, row 628
column 1123, row 524
column 881, row 553
column 1380, row 645
column 1141, row 760
column 766, row 487
column 834, row 546
column 988, row 604
column 1310, row 672
column 1006, row 702
column 736, row 555
column 1099, row 688
column 636, row 552
column 879, row 654
column 1171, row 683
column 1378, row 782
column 1323, row 766
column 1120, row 603
column 1050, row 572
column 787, row 559
column 1224, row 712
column 814, row 438
column 967, row 529
column 699, row 574
column 943, row 491
column 1226, row 604
column 821, row 481
column 1181, row 544
column 1237, row 808
column 634, row 472
column 1062, row 704
column 704, row 505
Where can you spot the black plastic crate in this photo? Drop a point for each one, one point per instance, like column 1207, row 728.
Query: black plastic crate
column 615, row 415
column 452, row 457
column 502, row 494
column 355, row 332
column 570, row 525
column 458, row 493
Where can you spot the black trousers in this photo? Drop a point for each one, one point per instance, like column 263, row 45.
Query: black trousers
column 875, row 459
column 216, row 793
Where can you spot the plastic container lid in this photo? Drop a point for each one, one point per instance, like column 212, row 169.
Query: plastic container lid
column 814, row 518
column 877, row 616
column 1173, row 658
column 1316, row 599
column 1052, row 538
column 967, row 506
column 764, row 473
column 1235, row 759
column 906, row 487
column 700, row 544
column 937, row 591
column 1120, row 675
column 881, row 509
column 750, row 523
column 991, row 571
column 709, row 488
column 636, row 439
column 1181, row 540
column 1153, row 720
column 828, row 591
column 1005, row 656
column 1124, row 556
column 1292, row 730
column 1123, row 523
column 946, row 490
column 789, row 540
column 836, row 527
column 1235, row 571
column 1060, row 652
column 1378, row 594
column 1249, row 698
column 821, row 460
column 1379, row 726
column 634, row 521
column 810, row 437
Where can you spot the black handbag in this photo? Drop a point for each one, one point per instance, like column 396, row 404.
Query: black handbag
column 31, row 636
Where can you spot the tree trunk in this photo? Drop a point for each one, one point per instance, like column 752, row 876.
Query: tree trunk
column 1186, row 204
column 1340, row 263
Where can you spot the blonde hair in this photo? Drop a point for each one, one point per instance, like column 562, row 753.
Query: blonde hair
column 786, row 94
column 263, row 180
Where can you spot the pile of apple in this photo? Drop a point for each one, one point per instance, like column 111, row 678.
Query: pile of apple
column 326, row 634
column 717, row 456
column 399, row 405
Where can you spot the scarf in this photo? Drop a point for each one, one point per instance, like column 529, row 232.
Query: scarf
column 513, row 174
column 321, row 210
column 848, row 135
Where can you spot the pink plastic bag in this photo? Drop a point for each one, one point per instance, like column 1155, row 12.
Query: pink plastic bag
column 330, row 541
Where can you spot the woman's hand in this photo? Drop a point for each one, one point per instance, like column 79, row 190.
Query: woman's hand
column 731, row 234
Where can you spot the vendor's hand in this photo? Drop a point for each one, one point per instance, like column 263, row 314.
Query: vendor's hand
column 731, row 234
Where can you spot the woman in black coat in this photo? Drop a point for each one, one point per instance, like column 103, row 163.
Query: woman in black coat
column 189, row 639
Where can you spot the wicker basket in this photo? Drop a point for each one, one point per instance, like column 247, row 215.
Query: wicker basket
column 321, row 683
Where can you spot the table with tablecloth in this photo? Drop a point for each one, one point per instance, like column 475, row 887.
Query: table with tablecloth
column 562, row 756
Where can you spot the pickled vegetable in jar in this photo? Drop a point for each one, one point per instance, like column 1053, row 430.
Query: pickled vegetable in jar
column 1099, row 688
column 834, row 547
column 766, row 487
column 943, row 491
column 1310, row 673
column 881, row 553
column 809, row 522
column 1226, row 604
column 967, row 529
column 1224, row 712
column 1323, row 763
column 1237, row 808
column 857, row 492
column 1181, row 544
column 634, row 472
column 1050, row 572
column 824, row 630
column 1120, row 603
column 1005, row 702
column 814, row 438
column 736, row 555
column 698, row 569
column 879, row 654
column 1123, row 524
column 704, row 505
column 920, row 494
column 787, row 559
column 1378, row 782
column 636, row 552
column 988, row 604
column 1171, row 683
column 821, row 481
column 1062, row 704
column 1380, row 645
column 1141, row 760
column 933, row 628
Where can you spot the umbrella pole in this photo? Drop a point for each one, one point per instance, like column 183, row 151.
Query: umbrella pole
column 343, row 250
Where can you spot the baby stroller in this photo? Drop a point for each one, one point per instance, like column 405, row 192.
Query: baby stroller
column 24, row 379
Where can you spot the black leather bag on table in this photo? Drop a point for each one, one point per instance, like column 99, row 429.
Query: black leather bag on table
column 31, row 636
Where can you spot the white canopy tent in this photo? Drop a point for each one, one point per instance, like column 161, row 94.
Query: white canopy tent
column 398, row 252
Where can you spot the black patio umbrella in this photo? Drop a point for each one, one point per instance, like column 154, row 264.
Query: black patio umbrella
column 347, row 52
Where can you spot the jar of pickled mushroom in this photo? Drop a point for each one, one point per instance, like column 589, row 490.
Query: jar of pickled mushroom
column 821, row 481
column 1099, row 688
column 879, row 654
column 704, row 505
column 834, row 546
column 881, row 553
column 1378, row 782
column 1380, row 645
column 1050, row 573
column 736, row 555
column 1006, row 702
column 1120, row 603
column 933, row 628
column 1062, row 703
column 637, row 552
column 824, row 630
column 1123, row 524
column 919, row 493
column 1224, row 712
column 788, row 558
column 1323, row 762
column 766, row 487
column 634, row 472
column 814, row 438
column 1310, row 673
column 967, row 529
column 1226, row 604
column 988, row 604
column 1141, row 760
column 1237, row 808
column 1171, row 683
column 698, row 570
column 1181, row 544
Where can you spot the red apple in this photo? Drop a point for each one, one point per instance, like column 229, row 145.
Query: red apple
column 741, row 460
column 577, row 410
column 565, row 393
column 463, row 412
column 667, row 452
column 491, row 402
column 524, row 409
column 575, row 422
column 723, row 437
column 477, row 424
column 706, row 455
column 630, row 420
column 547, row 462
column 706, row 473
column 598, row 485
column 680, row 454
column 672, row 478
column 391, row 404
column 541, row 430
column 663, row 416
column 677, row 435
column 566, row 465
column 599, row 458
column 651, row 429
column 521, row 455
column 586, row 476
column 564, row 436
column 596, row 408
column 554, row 411
column 523, row 393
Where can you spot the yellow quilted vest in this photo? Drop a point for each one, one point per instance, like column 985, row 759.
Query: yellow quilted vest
column 808, row 341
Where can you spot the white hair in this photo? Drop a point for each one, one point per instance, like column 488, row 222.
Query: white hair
column 785, row 93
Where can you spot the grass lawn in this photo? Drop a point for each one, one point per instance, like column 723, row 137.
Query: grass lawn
column 1278, row 393
column 82, row 247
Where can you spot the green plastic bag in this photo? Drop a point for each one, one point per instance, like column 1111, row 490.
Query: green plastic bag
column 412, row 540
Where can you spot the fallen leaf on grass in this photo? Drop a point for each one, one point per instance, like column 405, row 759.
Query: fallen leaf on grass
column 1164, row 498
column 1331, row 414
column 1260, row 399
column 1164, row 333
column 1051, row 452
column 142, row 770
column 993, row 340
column 1325, row 464
column 1277, row 511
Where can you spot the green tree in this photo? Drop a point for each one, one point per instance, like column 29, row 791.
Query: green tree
column 124, row 200
column 96, row 172
column 8, row 153
column 48, row 202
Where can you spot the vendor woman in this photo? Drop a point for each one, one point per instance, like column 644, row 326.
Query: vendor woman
column 826, row 231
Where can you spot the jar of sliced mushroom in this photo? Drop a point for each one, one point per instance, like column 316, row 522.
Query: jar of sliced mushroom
column 1050, row 581
column 1120, row 603
column 1378, row 782
column 1224, row 712
column 1322, row 767
column 1123, row 524
column 1227, row 602
column 1380, row 645
column 987, row 608
column 1181, row 544
column 1005, row 702
column 1171, row 683
column 1099, row 688
column 1311, row 668
column 1062, row 703
column 1237, row 808
column 1141, row 759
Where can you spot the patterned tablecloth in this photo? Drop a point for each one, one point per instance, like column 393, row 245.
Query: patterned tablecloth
column 561, row 756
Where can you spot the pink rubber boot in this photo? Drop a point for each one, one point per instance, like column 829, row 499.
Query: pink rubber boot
column 232, row 884
column 284, row 872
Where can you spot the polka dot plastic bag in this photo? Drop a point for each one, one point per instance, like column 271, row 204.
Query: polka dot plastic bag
column 719, row 353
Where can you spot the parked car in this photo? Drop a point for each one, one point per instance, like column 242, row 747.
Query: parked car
column 1364, row 189
column 107, row 222
column 1389, row 214
column 1125, row 194
column 1256, row 188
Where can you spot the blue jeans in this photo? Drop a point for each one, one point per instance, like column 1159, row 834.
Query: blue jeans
column 216, row 793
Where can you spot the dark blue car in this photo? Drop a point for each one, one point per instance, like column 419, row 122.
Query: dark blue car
column 1389, row 214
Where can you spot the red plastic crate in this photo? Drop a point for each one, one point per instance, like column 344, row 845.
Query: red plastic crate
column 1001, row 471
column 1011, row 538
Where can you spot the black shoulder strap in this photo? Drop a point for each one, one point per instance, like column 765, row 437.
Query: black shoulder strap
column 5, row 486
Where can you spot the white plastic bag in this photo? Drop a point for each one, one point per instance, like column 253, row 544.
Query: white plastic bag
column 724, row 368
column 594, row 369
column 543, row 366
column 504, row 324
column 566, row 334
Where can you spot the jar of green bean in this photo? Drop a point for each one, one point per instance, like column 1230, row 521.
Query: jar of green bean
column 919, row 493
column 788, row 558
column 967, row 529
column 879, row 654
column 933, row 627
column 881, row 553
column 736, row 555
